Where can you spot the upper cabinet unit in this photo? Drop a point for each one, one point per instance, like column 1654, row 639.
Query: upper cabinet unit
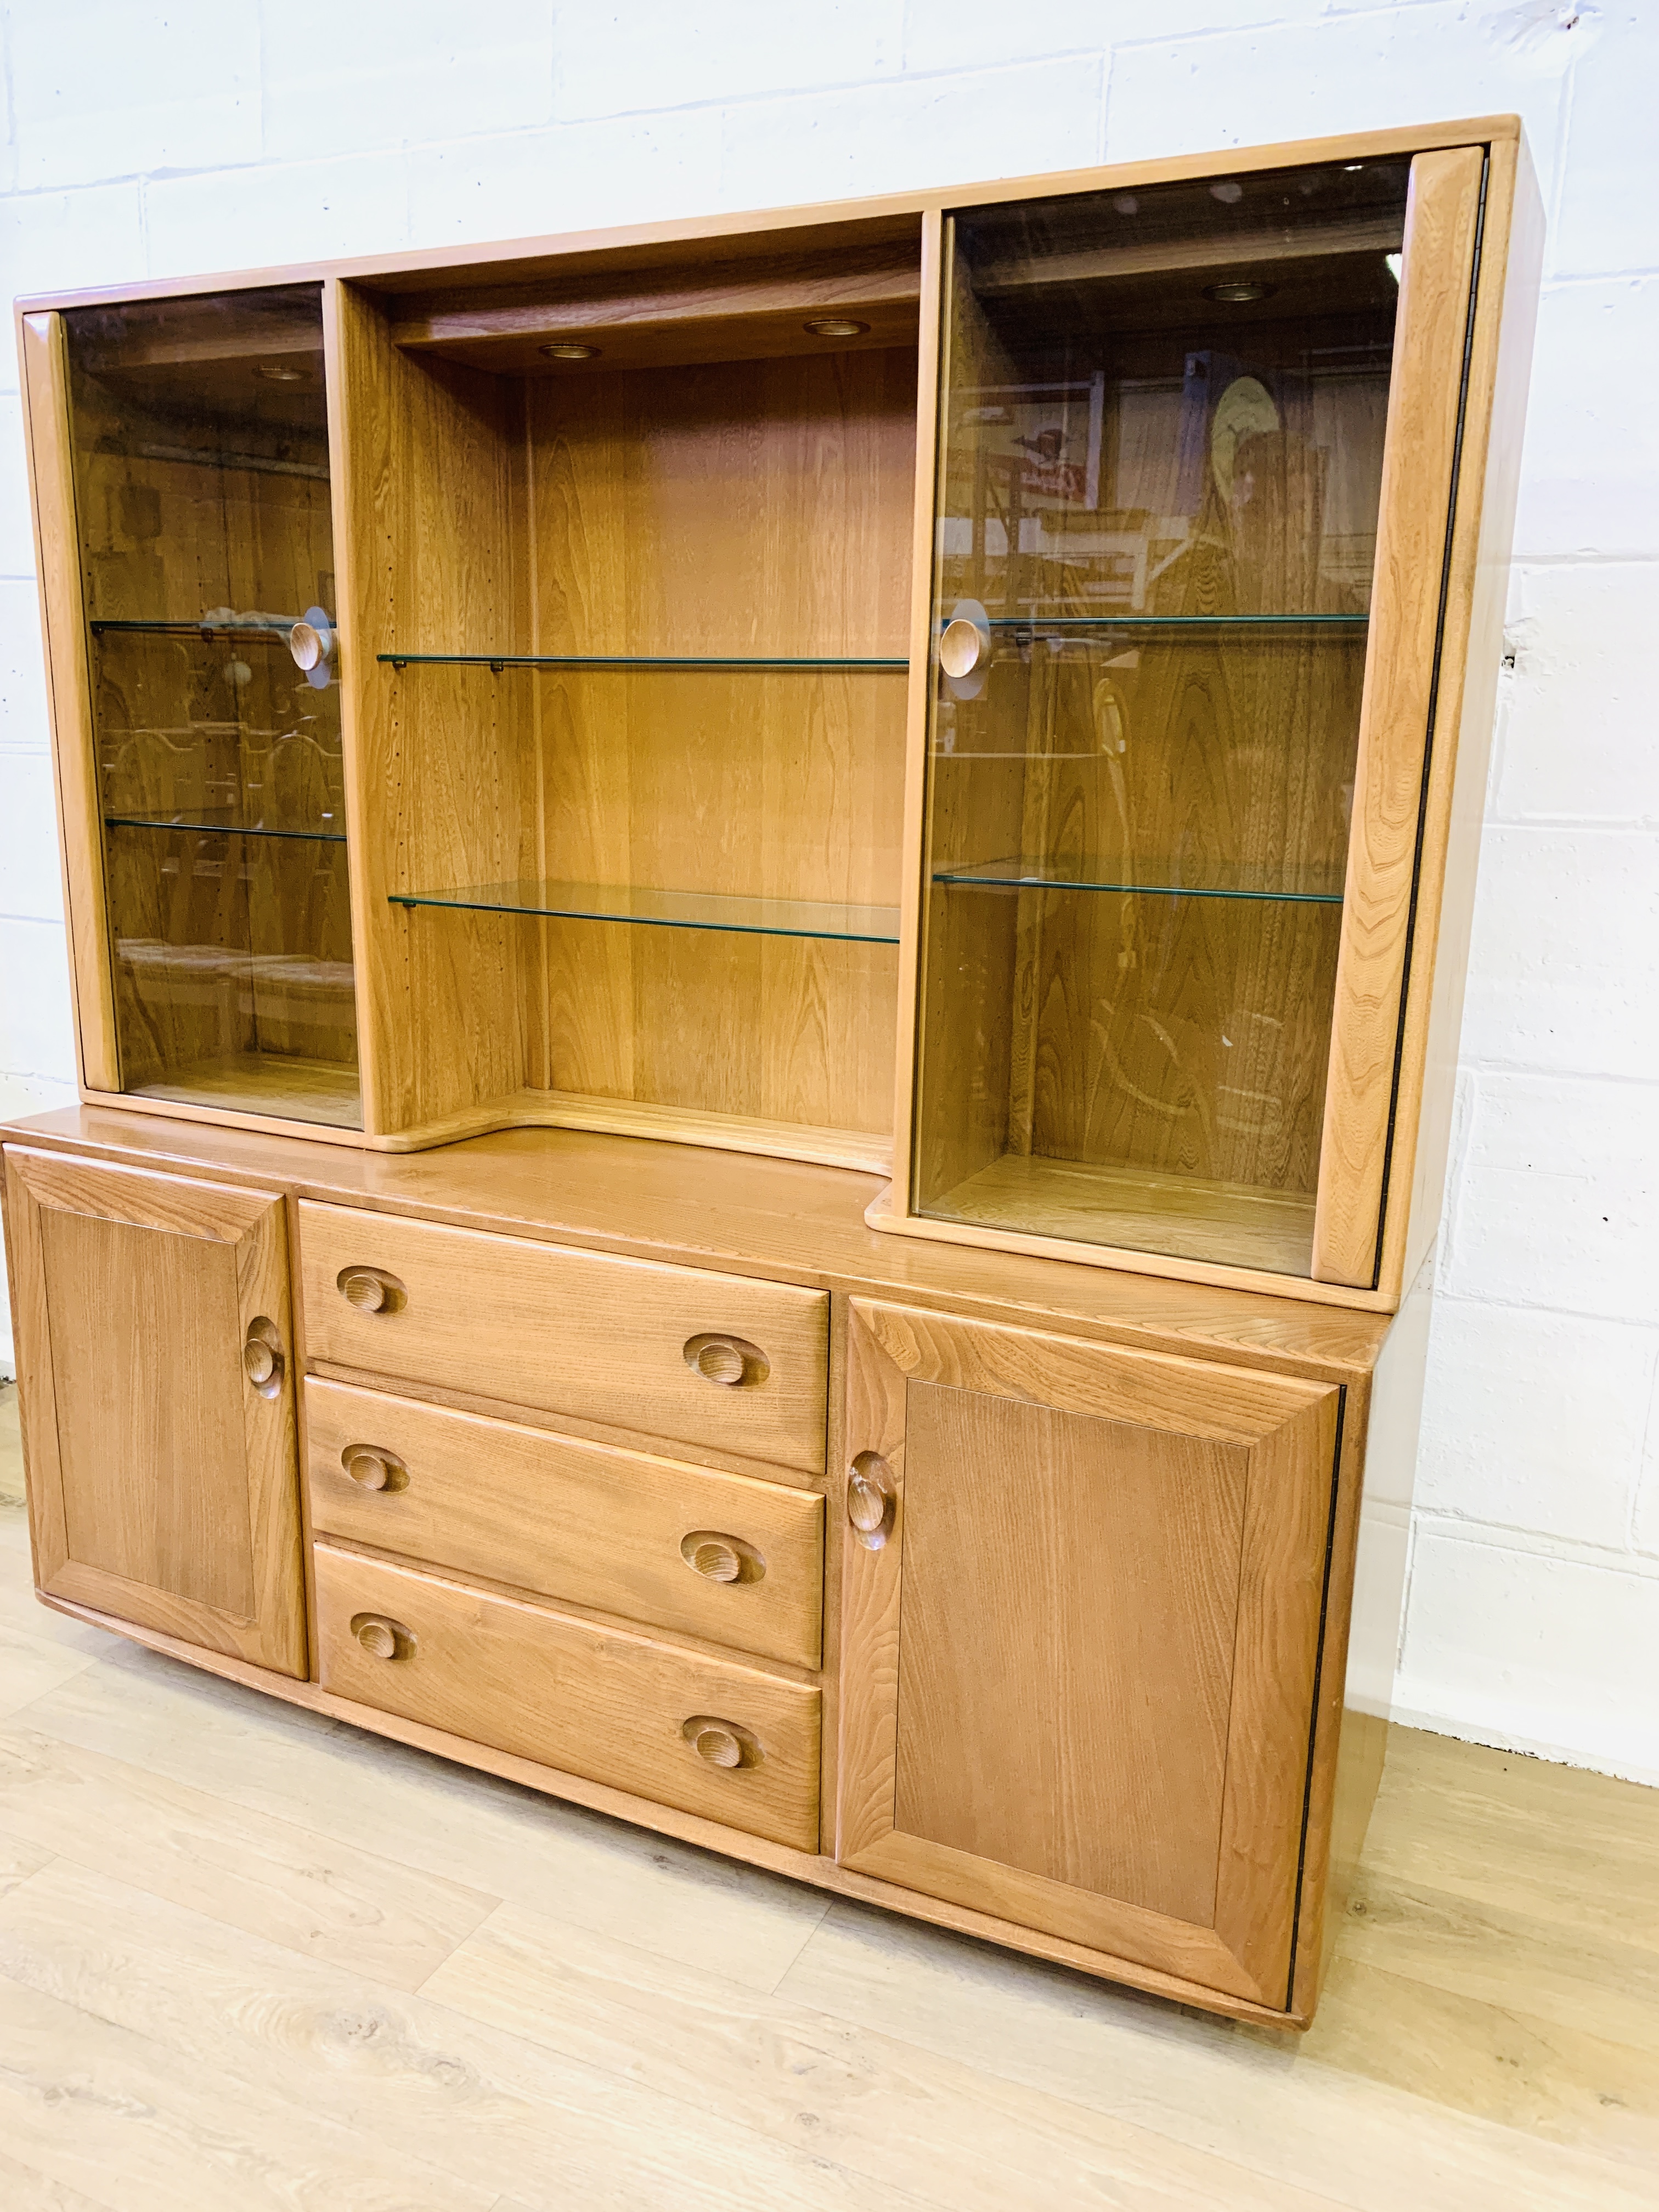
column 1196, row 602
column 191, row 610
column 991, row 689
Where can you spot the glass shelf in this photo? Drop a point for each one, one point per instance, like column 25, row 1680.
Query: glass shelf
column 1092, row 874
column 497, row 662
column 660, row 910
column 1178, row 621
column 277, row 627
column 222, row 828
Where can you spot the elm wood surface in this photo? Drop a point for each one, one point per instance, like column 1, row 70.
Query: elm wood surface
column 1012, row 1770
column 575, row 1332
column 153, row 1325
column 600, row 1702
column 1419, row 486
column 783, row 1220
column 720, row 1556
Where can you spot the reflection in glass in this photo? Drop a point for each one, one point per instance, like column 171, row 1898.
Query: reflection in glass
column 1160, row 469
column 200, row 450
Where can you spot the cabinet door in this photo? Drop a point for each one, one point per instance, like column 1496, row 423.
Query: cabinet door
column 1081, row 1606
column 158, row 1401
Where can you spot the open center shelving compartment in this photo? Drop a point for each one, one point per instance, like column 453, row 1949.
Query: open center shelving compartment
column 636, row 716
column 1162, row 434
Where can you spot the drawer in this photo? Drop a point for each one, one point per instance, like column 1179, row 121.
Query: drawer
column 738, row 1561
column 677, row 1352
column 707, row 1736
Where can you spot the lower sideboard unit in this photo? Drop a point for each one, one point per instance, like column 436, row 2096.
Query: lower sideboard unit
column 1011, row 1594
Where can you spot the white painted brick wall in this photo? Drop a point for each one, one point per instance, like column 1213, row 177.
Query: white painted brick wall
column 212, row 134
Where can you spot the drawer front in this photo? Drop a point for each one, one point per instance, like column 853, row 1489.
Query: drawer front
column 707, row 1735
column 720, row 1556
column 578, row 1333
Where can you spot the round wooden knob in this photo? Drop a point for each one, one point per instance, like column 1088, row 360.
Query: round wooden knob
column 721, row 1743
column 960, row 646
column 380, row 1637
column 373, row 1470
column 717, row 1562
column 730, row 1361
column 872, row 1500
column 718, row 1746
column 365, row 1289
column 258, row 1361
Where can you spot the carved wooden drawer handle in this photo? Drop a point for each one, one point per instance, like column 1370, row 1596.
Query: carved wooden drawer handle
column 371, row 1289
column 721, row 1558
column 731, row 1361
column 960, row 646
column 262, row 1357
column 371, row 1467
column 872, row 1500
column 382, row 1638
column 721, row 1743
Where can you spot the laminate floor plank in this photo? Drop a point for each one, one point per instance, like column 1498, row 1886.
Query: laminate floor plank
column 908, row 2120
column 98, row 2108
column 24, row 2189
column 483, row 2109
column 451, row 1822
column 18, row 1860
column 393, row 1923
column 1252, row 2096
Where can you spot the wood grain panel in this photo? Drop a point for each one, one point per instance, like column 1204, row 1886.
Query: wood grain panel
column 1044, row 1555
column 575, row 1332
column 566, row 1519
column 164, row 1484
column 63, row 616
column 592, row 1700
column 1423, row 403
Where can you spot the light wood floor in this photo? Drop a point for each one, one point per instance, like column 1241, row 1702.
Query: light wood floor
column 251, row 1959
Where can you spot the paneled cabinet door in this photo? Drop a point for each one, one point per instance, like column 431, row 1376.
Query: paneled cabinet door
column 153, row 1348
column 1107, row 1569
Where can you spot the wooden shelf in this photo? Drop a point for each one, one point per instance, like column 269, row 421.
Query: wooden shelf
column 277, row 1084
column 1078, row 1203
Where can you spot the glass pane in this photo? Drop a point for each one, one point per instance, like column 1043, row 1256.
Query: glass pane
column 754, row 917
column 1160, row 467
column 200, row 442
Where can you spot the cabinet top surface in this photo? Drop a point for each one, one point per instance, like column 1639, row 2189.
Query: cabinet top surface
column 698, row 237
column 733, row 1212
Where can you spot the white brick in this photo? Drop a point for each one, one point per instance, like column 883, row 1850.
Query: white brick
column 1367, row 71
column 1535, row 1420
column 16, row 529
column 936, row 131
column 101, row 89
column 35, row 1021
column 1546, row 1655
column 382, row 73
column 1578, row 735
column 1591, row 480
column 581, row 175
column 1645, row 1522
column 1605, row 221
column 31, row 886
column 661, row 54
column 1563, row 965
column 24, row 726
column 63, row 242
column 948, row 35
column 267, row 218
column 1558, row 1202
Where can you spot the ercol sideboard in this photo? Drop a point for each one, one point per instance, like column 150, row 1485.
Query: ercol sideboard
column 767, row 920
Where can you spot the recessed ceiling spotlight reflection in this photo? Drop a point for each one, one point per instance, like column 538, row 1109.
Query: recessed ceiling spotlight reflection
column 568, row 350
column 278, row 372
column 1239, row 292
column 834, row 326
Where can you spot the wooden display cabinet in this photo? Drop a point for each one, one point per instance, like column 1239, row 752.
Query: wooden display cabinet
column 810, row 874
